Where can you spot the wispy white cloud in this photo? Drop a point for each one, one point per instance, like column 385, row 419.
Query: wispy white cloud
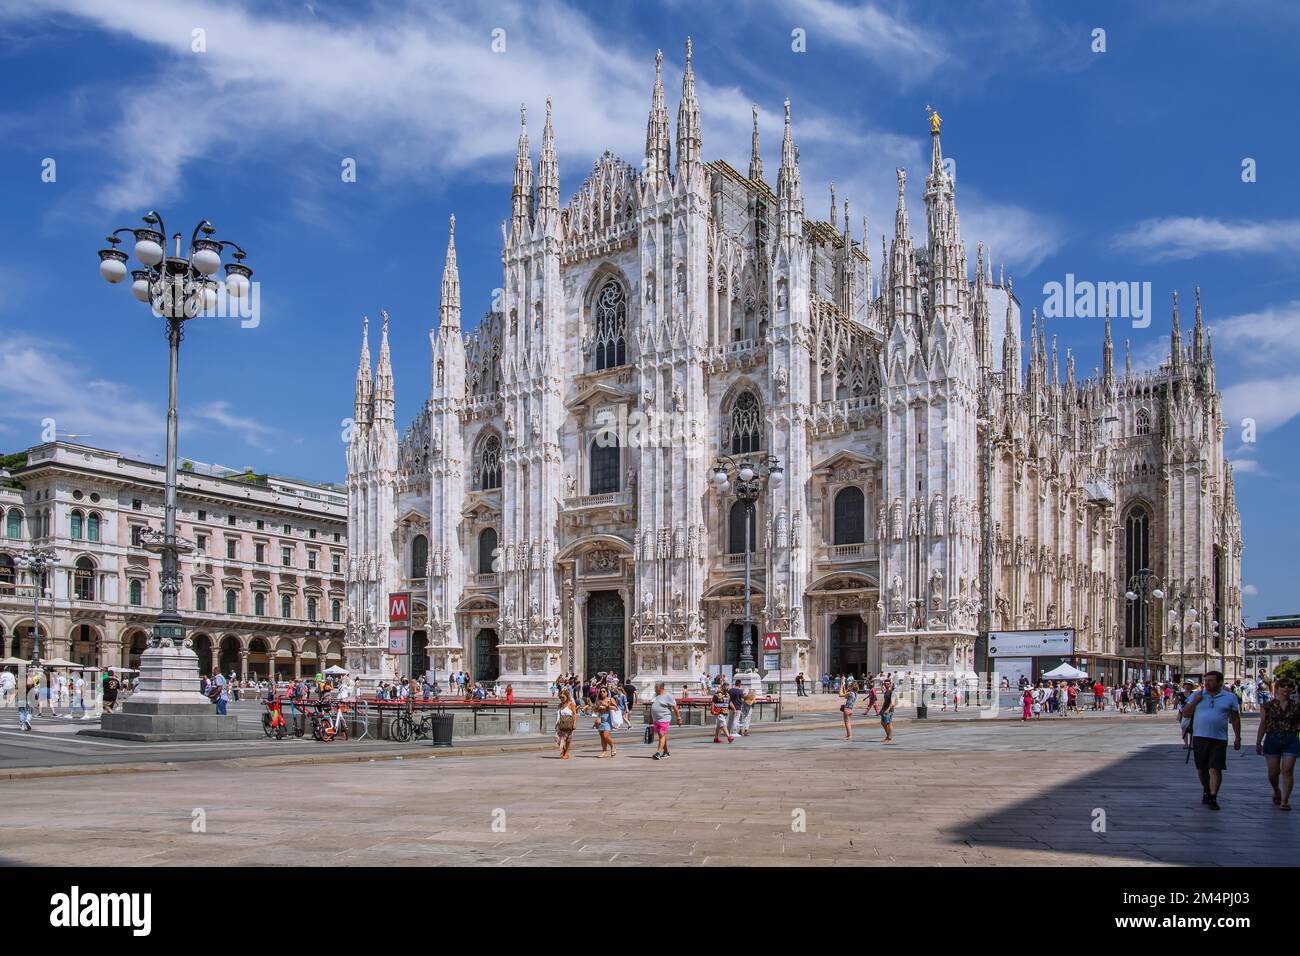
column 255, row 433
column 1187, row 237
column 888, row 40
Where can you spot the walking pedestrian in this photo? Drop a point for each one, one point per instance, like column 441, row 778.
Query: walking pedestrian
column 1027, row 702
column 222, row 696
column 663, row 707
column 1278, row 740
column 721, row 712
column 826, row 683
column 736, row 694
column 873, row 702
column 1212, row 709
column 887, row 703
column 798, row 685
column 566, row 721
column 31, row 687
column 604, row 722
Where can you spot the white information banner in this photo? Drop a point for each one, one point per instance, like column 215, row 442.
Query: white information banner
column 1031, row 643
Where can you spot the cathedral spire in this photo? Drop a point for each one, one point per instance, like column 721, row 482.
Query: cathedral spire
column 789, row 192
column 834, row 220
column 449, row 306
column 1010, row 348
column 1108, row 357
column 363, row 393
column 548, row 177
column 901, row 229
column 1128, row 359
column 1176, row 338
column 521, row 217
column 755, row 155
column 688, row 120
column 658, row 150
column 383, row 401
column 1198, row 333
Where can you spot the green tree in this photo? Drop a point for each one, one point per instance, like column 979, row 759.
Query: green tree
column 1289, row 669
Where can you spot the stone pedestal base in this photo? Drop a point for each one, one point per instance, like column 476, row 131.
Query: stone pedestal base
column 168, row 706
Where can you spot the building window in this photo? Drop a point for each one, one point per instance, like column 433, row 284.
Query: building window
column 203, row 515
column 611, row 326
column 1143, row 422
column 230, row 520
column 487, row 551
column 1137, row 552
column 92, row 526
column 261, row 525
column 311, row 560
column 336, row 563
column 288, row 530
column 286, row 556
column 259, row 604
column 260, row 549
column 336, row 611
column 232, row 602
column 76, row 529
column 604, row 477
column 200, row 599
column 487, row 464
column 231, row 546
column 14, row 524
column 137, row 594
column 83, row 579
column 200, row 542
column 736, row 529
column 419, row 556
column 286, row 605
column 136, row 504
column 311, row 609
column 311, row 533
column 337, row 536
column 744, row 427
column 137, row 530
column 850, row 516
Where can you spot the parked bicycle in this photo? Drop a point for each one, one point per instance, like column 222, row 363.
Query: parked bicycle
column 405, row 726
column 327, row 724
column 273, row 722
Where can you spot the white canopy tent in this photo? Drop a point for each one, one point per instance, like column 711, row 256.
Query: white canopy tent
column 1066, row 671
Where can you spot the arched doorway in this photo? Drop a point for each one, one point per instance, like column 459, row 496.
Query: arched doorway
column 133, row 647
column 202, row 645
column 847, row 647
column 419, row 653
column 228, row 656
column 487, row 659
column 259, row 659
column 731, row 644
column 605, row 644
column 83, row 644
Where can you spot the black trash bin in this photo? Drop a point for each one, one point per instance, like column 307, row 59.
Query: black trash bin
column 440, row 730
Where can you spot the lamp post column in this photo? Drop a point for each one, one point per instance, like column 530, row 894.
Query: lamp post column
column 169, row 624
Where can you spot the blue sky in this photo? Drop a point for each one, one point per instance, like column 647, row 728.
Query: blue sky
column 1122, row 165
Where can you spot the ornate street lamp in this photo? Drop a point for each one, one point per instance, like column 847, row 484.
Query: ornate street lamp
column 177, row 288
column 748, row 474
column 1142, row 587
column 37, row 562
column 1184, row 600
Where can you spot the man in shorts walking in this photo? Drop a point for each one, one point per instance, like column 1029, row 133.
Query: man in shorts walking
column 1211, row 711
column 663, row 708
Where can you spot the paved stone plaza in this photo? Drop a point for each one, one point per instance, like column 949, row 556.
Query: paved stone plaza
column 952, row 794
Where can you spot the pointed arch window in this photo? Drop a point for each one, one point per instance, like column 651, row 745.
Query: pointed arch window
column 850, row 516
column 487, row 464
column 1143, row 426
column 1137, row 552
column 419, row 556
column 605, row 459
column 610, row 326
column 232, row 602
column 487, row 549
column 736, row 528
column 311, row 609
column 744, row 426
column 286, row 605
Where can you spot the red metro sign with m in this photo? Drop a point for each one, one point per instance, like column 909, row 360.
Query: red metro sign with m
column 399, row 608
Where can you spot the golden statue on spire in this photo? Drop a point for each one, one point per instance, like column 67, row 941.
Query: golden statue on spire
column 935, row 121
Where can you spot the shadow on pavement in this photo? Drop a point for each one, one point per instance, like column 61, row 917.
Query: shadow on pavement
column 1145, row 807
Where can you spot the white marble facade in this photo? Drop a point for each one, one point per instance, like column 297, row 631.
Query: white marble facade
column 689, row 310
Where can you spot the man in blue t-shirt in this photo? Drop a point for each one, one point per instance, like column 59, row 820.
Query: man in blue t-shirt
column 1211, row 710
